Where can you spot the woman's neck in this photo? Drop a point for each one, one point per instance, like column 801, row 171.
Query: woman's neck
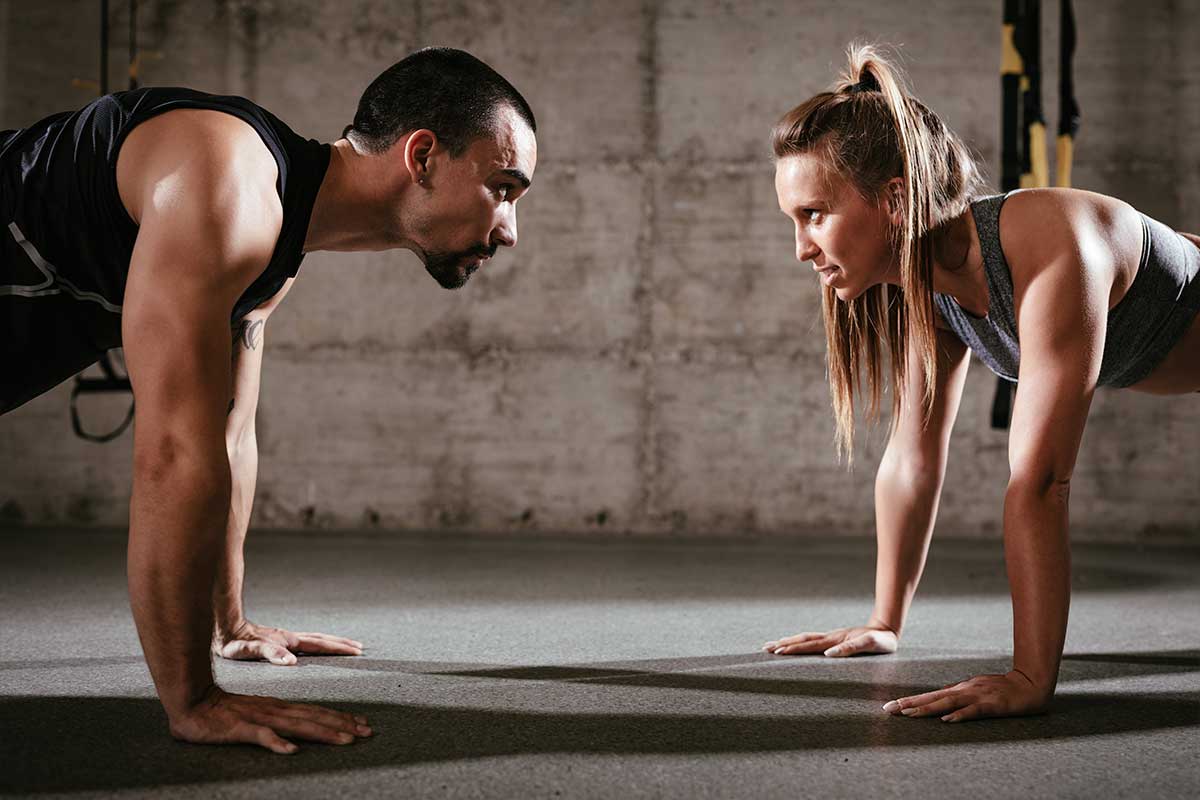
column 958, row 264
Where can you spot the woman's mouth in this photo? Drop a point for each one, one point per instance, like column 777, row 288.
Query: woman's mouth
column 829, row 274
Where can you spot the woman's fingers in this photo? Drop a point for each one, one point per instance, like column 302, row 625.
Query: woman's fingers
column 815, row 645
column 943, row 705
column 837, row 644
column 790, row 640
column 803, row 643
column 914, row 701
column 973, row 711
column 868, row 642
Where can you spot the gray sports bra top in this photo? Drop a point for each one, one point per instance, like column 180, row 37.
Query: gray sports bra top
column 1142, row 328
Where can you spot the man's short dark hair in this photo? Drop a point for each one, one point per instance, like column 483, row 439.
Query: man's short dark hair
column 447, row 91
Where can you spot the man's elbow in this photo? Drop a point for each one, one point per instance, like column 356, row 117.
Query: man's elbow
column 240, row 440
column 174, row 464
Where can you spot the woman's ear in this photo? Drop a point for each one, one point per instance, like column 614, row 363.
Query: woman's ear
column 893, row 197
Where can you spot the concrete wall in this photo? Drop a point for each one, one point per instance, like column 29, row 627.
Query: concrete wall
column 649, row 359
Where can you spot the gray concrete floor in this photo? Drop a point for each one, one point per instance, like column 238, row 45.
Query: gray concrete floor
column 606, row 668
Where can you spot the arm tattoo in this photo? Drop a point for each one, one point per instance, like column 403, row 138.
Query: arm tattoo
column 249, row 333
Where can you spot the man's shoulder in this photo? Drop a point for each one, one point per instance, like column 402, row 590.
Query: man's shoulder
column 214, row 154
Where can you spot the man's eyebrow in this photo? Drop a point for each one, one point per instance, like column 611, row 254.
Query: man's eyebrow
column 520, row 176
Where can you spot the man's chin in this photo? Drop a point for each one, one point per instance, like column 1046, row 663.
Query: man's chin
column 451, row 279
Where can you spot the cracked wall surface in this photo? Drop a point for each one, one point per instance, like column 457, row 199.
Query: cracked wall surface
column 649, row 358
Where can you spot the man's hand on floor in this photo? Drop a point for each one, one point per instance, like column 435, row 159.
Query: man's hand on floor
column 224, row 718
column 250, row 642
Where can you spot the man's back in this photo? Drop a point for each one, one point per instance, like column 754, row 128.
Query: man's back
column 65, row 253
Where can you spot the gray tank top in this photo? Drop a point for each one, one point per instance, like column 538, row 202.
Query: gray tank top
column 1142, row 328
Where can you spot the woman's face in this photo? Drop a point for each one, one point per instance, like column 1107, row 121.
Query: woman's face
column 844, row 236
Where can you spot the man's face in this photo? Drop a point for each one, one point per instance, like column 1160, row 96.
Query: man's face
column 470, row 206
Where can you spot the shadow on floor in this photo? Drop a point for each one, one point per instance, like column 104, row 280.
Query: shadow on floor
column 57, row 744
column 883, row 678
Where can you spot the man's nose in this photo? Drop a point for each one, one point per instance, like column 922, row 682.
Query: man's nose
column 505, row 234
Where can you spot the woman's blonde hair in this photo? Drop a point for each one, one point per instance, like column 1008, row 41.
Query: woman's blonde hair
column 868, row 129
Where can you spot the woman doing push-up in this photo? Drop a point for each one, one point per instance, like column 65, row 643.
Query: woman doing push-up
column 1057, row 289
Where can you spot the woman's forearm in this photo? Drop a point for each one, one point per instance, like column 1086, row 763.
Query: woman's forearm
column 1038, row 556
column 906, row 502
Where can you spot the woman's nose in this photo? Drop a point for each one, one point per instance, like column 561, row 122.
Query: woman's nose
column 806, row 250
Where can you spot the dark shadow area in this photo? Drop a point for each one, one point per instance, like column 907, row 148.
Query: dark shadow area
column 64, row 744
column 778, row 675
column 1186, row 659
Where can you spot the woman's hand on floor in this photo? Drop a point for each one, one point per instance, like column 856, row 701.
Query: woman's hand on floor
column 224, row 718
column 1010, row 695
column 250, row 642
column 868, row 639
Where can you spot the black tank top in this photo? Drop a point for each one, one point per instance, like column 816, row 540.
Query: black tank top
column 59, row 200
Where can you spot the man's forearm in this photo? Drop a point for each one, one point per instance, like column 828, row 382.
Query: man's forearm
column 1038, row 556
column 228, row 610
column 175, row 526
column 905, row 508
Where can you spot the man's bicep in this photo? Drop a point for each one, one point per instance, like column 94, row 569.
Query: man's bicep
column 177, row 352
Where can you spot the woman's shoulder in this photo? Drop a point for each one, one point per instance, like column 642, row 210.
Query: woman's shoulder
column 1059, row 228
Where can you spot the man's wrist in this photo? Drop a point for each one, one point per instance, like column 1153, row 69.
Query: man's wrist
column 227, row 625
column 178, row 702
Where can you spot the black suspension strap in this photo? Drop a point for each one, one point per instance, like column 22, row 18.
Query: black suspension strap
column 1012, row 82
column 1068, row 106
column 112, row 381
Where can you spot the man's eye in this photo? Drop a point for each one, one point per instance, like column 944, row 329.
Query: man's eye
column 813, row 214
column 502, row 191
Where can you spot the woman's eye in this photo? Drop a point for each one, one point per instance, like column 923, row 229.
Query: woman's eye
column 813, row 214
column 502, row 191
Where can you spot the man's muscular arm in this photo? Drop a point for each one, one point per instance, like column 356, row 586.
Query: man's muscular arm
column 200, row 185
column 235, row 636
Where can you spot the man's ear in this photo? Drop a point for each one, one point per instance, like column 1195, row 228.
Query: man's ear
column 419, row 146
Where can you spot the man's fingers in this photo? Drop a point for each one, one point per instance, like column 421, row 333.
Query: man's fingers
column 325, row 716
column 301, row 728
column 331, row 638
column 278, row 655
column 316, row 643
column 243, row 650
column 264, row 736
